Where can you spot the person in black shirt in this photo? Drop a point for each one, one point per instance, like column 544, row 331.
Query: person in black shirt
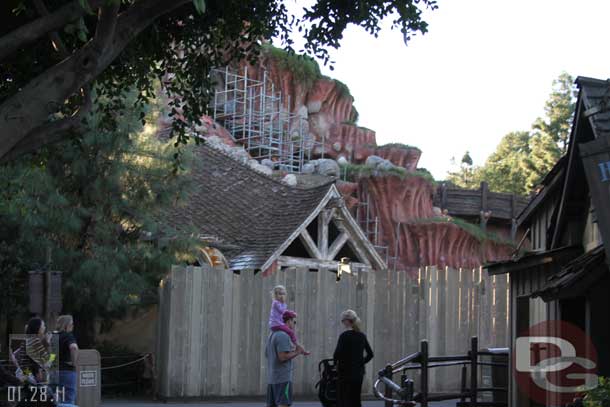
column 349, row 354
column 68, row 354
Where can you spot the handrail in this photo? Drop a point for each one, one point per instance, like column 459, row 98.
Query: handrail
column 395, row 387
column 422, row 361
column 406, row 360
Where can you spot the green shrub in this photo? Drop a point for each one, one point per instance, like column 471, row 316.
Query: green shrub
column 342, row 89
column 399, row 145
column 356, row 171
column 599, row 396
column 304, row 68
column 472, row 229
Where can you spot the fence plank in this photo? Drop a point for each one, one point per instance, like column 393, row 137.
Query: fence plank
column 214, row 323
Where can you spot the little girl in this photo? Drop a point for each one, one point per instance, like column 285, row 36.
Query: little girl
column 276, row 322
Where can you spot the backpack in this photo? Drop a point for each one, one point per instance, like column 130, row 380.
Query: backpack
column 327, row 385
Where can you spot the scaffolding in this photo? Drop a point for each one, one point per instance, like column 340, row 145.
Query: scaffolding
column 260, row 119
column 370, row 224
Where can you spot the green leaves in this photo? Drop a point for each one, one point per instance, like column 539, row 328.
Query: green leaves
column 199, row 6
column 90, row 200
column 85, row 5
column 523, row 158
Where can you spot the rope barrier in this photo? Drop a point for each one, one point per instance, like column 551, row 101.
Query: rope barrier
column 126, row 364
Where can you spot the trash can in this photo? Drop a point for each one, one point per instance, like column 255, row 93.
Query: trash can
column 495, row 375
column 88, row 379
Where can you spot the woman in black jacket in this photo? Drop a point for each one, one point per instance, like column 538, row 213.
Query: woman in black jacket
column 350, row 357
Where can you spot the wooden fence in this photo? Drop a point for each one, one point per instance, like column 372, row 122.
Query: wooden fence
column 213, row 323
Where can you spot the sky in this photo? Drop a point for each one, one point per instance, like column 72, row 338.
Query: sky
column 484, row 68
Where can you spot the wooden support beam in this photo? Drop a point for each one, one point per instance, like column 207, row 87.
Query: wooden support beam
column 288, row 261
column 443, row 196
column 356, row 242
column 323, row 220
column 310, row 245
column 484, row 193
column 332, row 212
column 335, row 248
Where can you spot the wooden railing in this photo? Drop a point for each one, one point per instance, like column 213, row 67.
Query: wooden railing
column 476, row 202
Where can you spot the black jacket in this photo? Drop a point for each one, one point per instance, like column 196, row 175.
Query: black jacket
column 349, row 354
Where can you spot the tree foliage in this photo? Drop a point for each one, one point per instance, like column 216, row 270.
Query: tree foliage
column 523, row 158
column 92, row 208
column 51, row 51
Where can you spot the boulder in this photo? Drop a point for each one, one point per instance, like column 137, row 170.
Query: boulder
column 308, row 168
column 373, row 160
column 327, row 167
column 342, row 160
column 263, row 169
column 268, row 163
column 314, row 106
column 385, row 165
column 337, row 146
column 290, row 179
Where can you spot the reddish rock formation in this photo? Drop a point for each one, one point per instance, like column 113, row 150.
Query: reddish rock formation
column 347, row 140
column 348, row 190
column 327, row 106
column 409, row 225
column 416, row 235
column 209, row 128
column 403, row 156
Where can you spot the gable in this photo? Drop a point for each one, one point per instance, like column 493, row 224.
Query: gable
column 328, row 234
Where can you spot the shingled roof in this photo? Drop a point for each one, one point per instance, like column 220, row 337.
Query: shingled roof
column 596, row 99
column 576, row 276
column 247, row 211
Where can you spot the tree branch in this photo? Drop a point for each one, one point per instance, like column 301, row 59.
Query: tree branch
column 42, row 11
column 106, row 25
column 29, row 109
column 50, row 133
column 32, row 31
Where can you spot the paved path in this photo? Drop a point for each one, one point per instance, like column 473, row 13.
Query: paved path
column 130, row 403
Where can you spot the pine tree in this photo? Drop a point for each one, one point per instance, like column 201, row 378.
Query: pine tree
column 522, row 158
column 559, row 109
column 93, row 203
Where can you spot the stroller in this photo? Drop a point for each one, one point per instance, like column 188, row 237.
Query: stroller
column 327, row 385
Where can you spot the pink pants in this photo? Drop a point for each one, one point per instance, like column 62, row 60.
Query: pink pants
column 290, row 332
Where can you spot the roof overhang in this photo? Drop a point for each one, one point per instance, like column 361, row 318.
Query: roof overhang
column 532, row 260
column 576, row 277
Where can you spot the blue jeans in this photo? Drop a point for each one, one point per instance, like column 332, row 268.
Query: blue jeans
column 67, row 382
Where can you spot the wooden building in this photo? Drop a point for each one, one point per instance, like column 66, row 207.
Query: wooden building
column 261, row 224
column 564, row 274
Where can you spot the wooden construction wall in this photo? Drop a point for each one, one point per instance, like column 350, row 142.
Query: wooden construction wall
column 212, row 326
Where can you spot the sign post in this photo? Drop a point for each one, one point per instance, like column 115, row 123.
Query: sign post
column 88, row 379
column 596, row 161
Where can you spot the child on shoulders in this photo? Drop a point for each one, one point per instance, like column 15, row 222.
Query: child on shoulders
column 276, row 316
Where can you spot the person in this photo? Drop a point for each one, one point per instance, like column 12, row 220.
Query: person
column 68, row 356
column 279, row 297
column 350, row 358
column 34, row 356
column 280, row 352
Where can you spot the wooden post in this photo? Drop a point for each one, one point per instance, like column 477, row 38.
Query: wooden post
column 484, row 208
column 443, row 196
column 474, row 349
column 463, row 384
column 513, row 217
column 424, row 373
